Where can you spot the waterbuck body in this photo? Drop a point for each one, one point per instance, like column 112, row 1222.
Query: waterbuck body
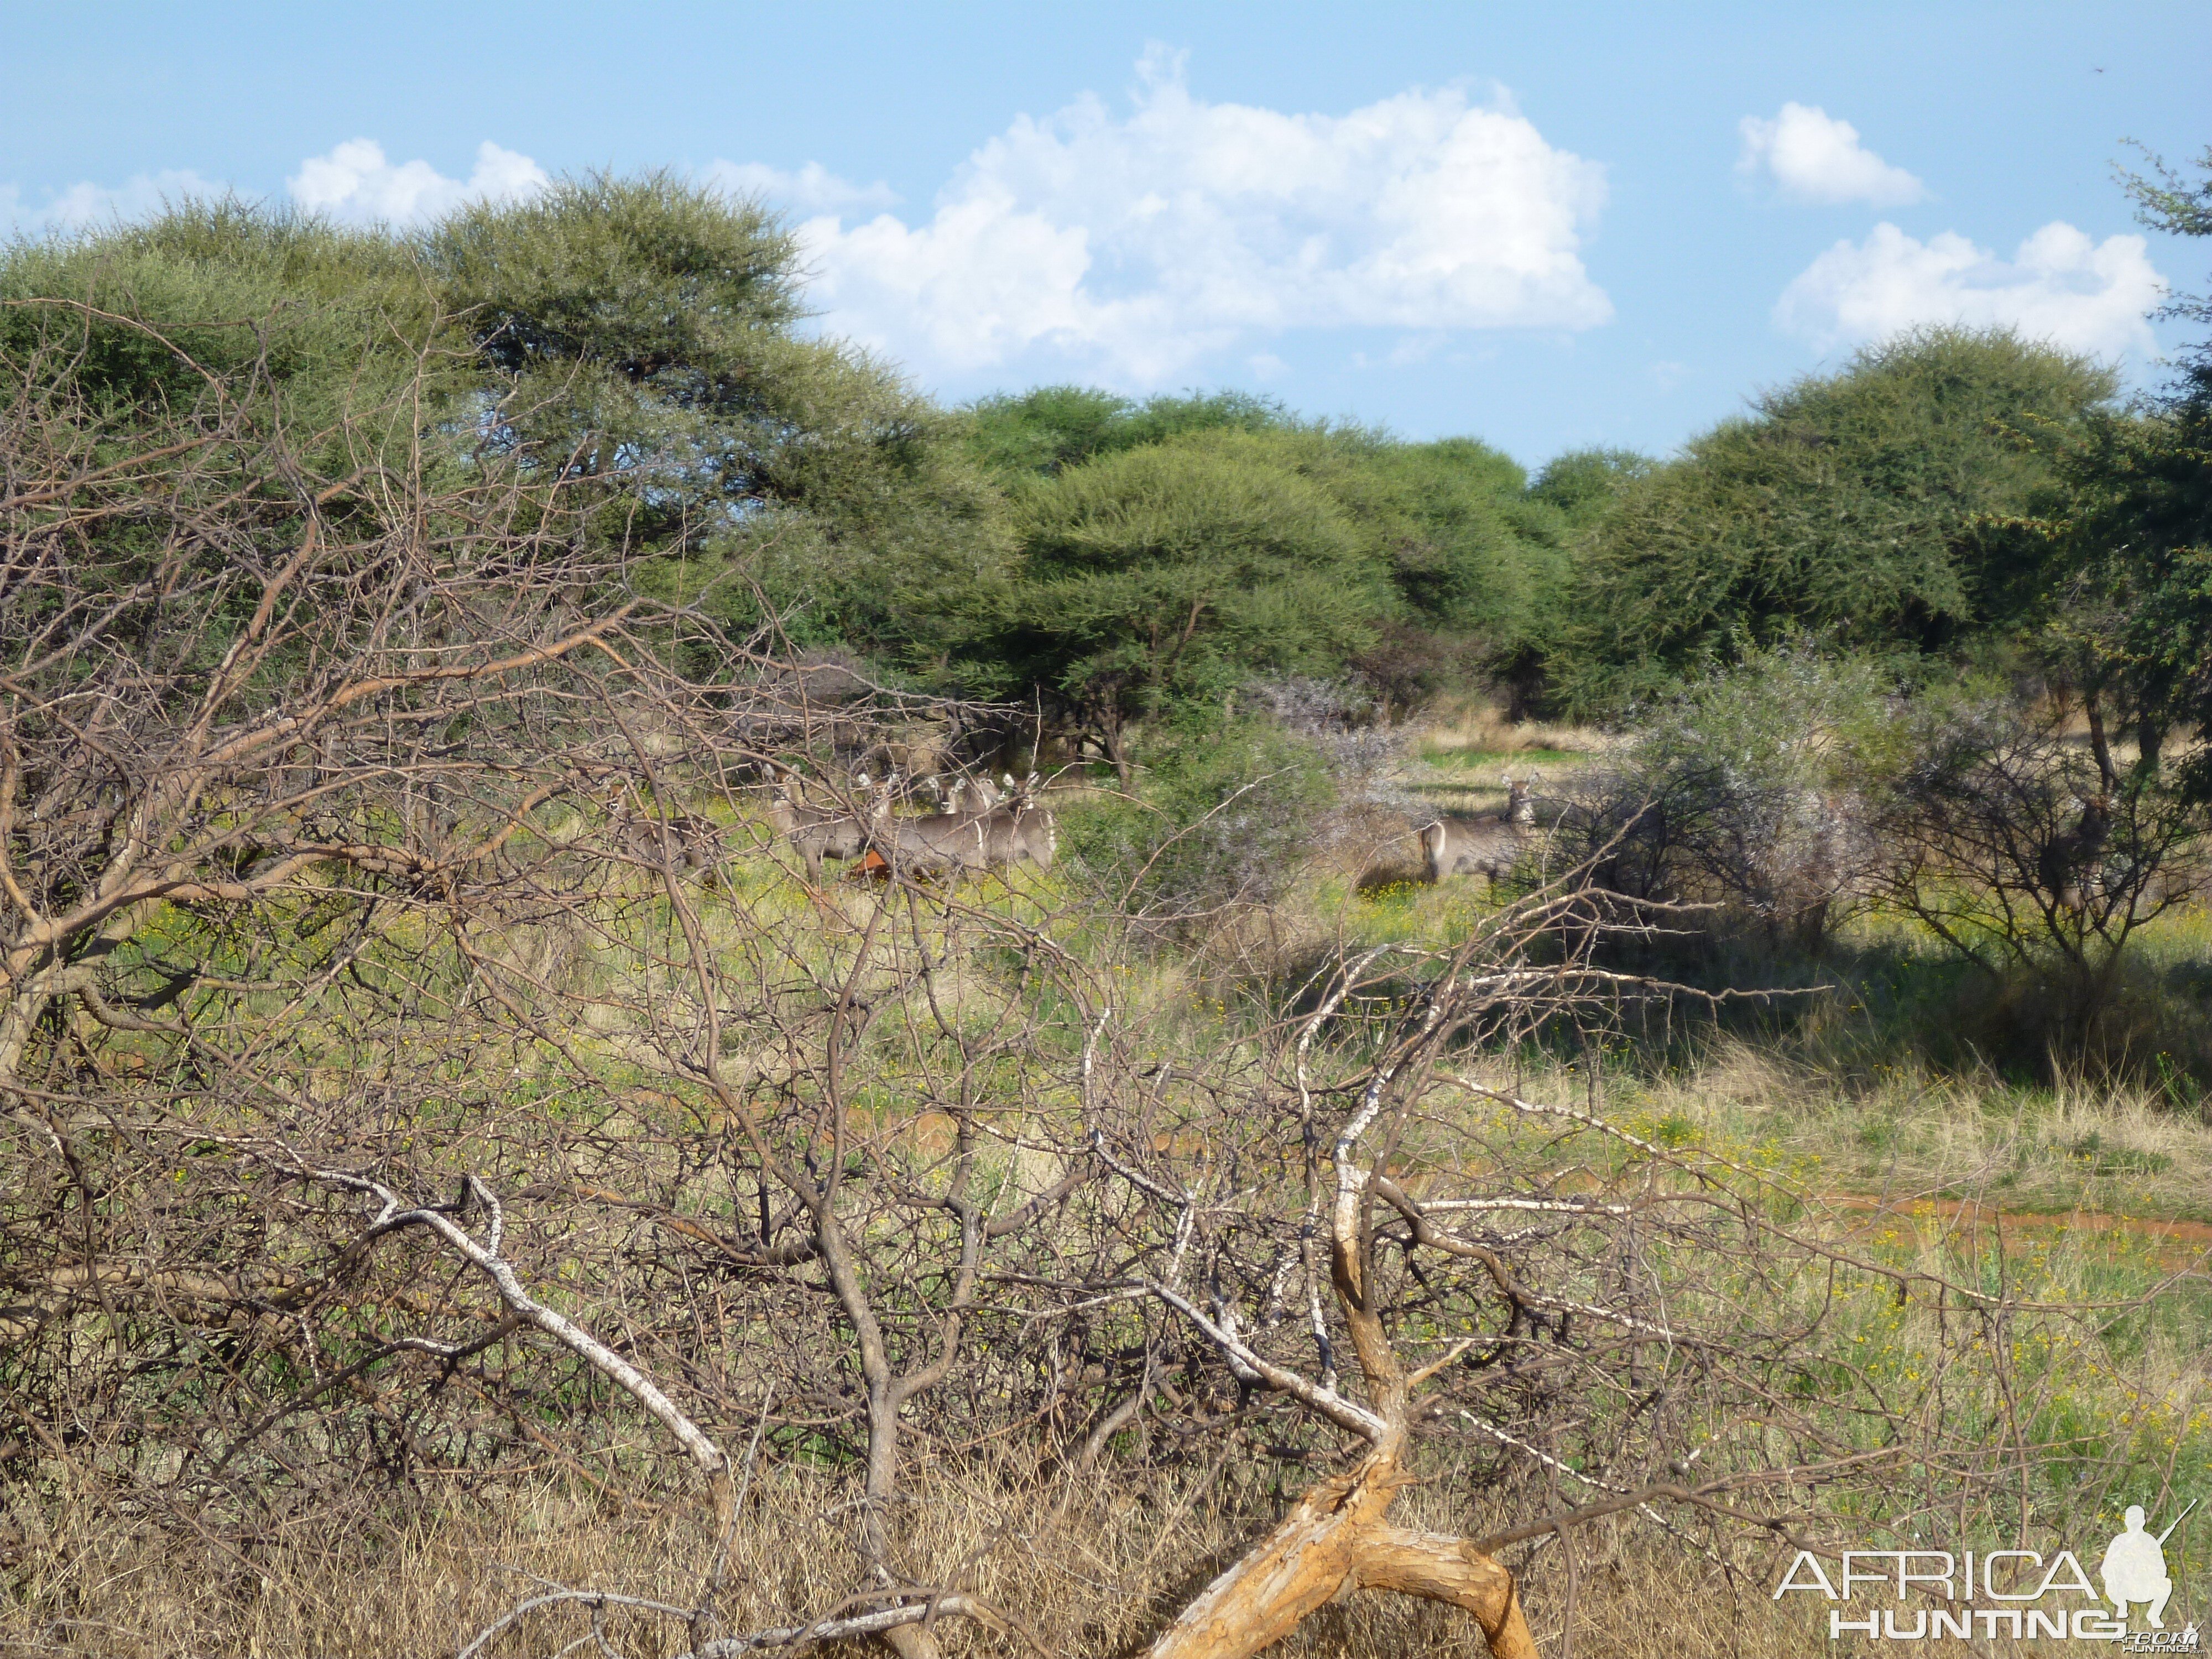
column 659, row 835
column 818, row 832
column 2067, row 865
column 1488, row 846
column 1022, row 832
column 679, row 840
column 944, row 844
column 957, row 843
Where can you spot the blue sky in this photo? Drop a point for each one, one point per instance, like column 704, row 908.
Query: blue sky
column 1545, row 227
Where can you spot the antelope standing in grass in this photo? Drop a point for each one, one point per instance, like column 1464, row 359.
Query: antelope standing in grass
column 957, row 843
column 2068, row 864
column 659, row 835
column 1487, row 846
column 822, row 833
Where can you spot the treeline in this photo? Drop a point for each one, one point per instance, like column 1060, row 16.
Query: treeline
column 1948, row 502
column 1110, row 560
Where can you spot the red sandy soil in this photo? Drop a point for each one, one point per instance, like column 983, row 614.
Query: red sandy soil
column 2179, row 1243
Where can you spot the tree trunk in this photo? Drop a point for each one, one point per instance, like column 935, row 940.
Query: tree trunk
column 1110, row 729
column 1440, row 1568
column 1333, row 1541
column 2150, row 739
column 2094, row 707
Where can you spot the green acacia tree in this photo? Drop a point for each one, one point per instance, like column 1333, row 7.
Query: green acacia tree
column 1854, row 507
column 1170, row 573
column 1049, row 428
column 643, row 335
column 648, row 329
column 1480, row 565
column 1582, row 483
column 1454, row 568
column 2131, row 527
column 213, row 305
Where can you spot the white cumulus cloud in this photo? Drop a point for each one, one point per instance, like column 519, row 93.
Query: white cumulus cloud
column 812, row 189
column 87, row 202
column 355, row 181
column 2059, row 286
column 1139, row 244
column 1814, row 157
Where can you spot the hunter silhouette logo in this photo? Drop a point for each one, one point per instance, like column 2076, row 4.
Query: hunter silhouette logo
column 2016, row 1592
column 2134, row 1568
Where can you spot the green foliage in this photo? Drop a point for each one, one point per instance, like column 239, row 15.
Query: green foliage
column 2180, row 207
column 2131, row 532
column 1468, row 554
column 1158, row 575
column 1785, row 718
column 1739, row 792
column 666, row 285
column 2023, row 854
column 638, row 336
column 223, row 366
column 330, row 319
column 2133, row 528
column 1164, row 574
column 1043, row 431
column 1582, row 482
column 1126, row 559
column 642, row 331
column 1226, row 817
column 1854, row 507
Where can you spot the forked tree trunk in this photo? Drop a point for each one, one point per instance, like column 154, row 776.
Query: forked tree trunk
column 1333, row 1542
column 1336, row 1538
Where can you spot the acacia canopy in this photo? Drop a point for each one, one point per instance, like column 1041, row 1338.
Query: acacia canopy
column 1854, row 507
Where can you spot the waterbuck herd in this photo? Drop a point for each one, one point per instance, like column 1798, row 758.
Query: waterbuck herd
column 977, row 827
column 1802, row 857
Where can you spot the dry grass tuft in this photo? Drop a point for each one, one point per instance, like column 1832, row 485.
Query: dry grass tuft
column 1482, row 728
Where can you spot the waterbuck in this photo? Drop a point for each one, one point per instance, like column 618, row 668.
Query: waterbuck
column 1021, row 829
column 970, row 796
column 1487, row 846
column 822, row 833
column 2068, row 864
column 958, row 843
column 659, row 835
column 677, row 841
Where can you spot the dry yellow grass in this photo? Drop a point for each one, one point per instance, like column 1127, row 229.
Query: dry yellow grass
column 415, row 1576
column 1907, row 1131
column 1481, row 727
column 1465, row 749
